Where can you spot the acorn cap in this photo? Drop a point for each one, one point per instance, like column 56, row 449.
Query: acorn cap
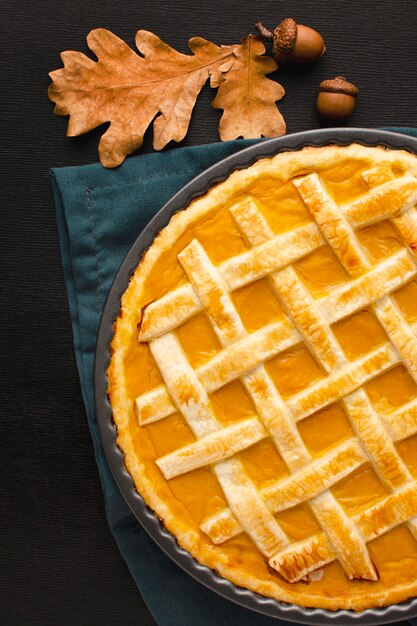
column 285, row 36
column 339, row 85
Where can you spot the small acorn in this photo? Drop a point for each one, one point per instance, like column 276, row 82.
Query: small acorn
column 293, row 42
column 336, row 99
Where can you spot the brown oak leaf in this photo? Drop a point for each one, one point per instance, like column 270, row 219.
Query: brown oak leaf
column 128, row 90
column 247, row 96
column 132, row 91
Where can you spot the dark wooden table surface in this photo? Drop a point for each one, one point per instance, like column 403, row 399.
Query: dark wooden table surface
column 60, row 564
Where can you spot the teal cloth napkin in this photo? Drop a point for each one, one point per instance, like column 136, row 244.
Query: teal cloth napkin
column 100, row 213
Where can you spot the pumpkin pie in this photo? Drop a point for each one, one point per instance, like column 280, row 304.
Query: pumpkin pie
column 263, row 377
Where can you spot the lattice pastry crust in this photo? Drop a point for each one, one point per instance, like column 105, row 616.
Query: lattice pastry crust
column 245, row 536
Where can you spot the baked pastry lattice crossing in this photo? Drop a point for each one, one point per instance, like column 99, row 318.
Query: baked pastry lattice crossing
column 243, row 356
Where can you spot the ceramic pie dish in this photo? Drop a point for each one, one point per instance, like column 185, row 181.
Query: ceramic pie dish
column 262, row 378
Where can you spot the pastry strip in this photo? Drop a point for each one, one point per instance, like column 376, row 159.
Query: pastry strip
column 402, row 423
column 389, row 275
column 215, row 447
column 386, row 201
